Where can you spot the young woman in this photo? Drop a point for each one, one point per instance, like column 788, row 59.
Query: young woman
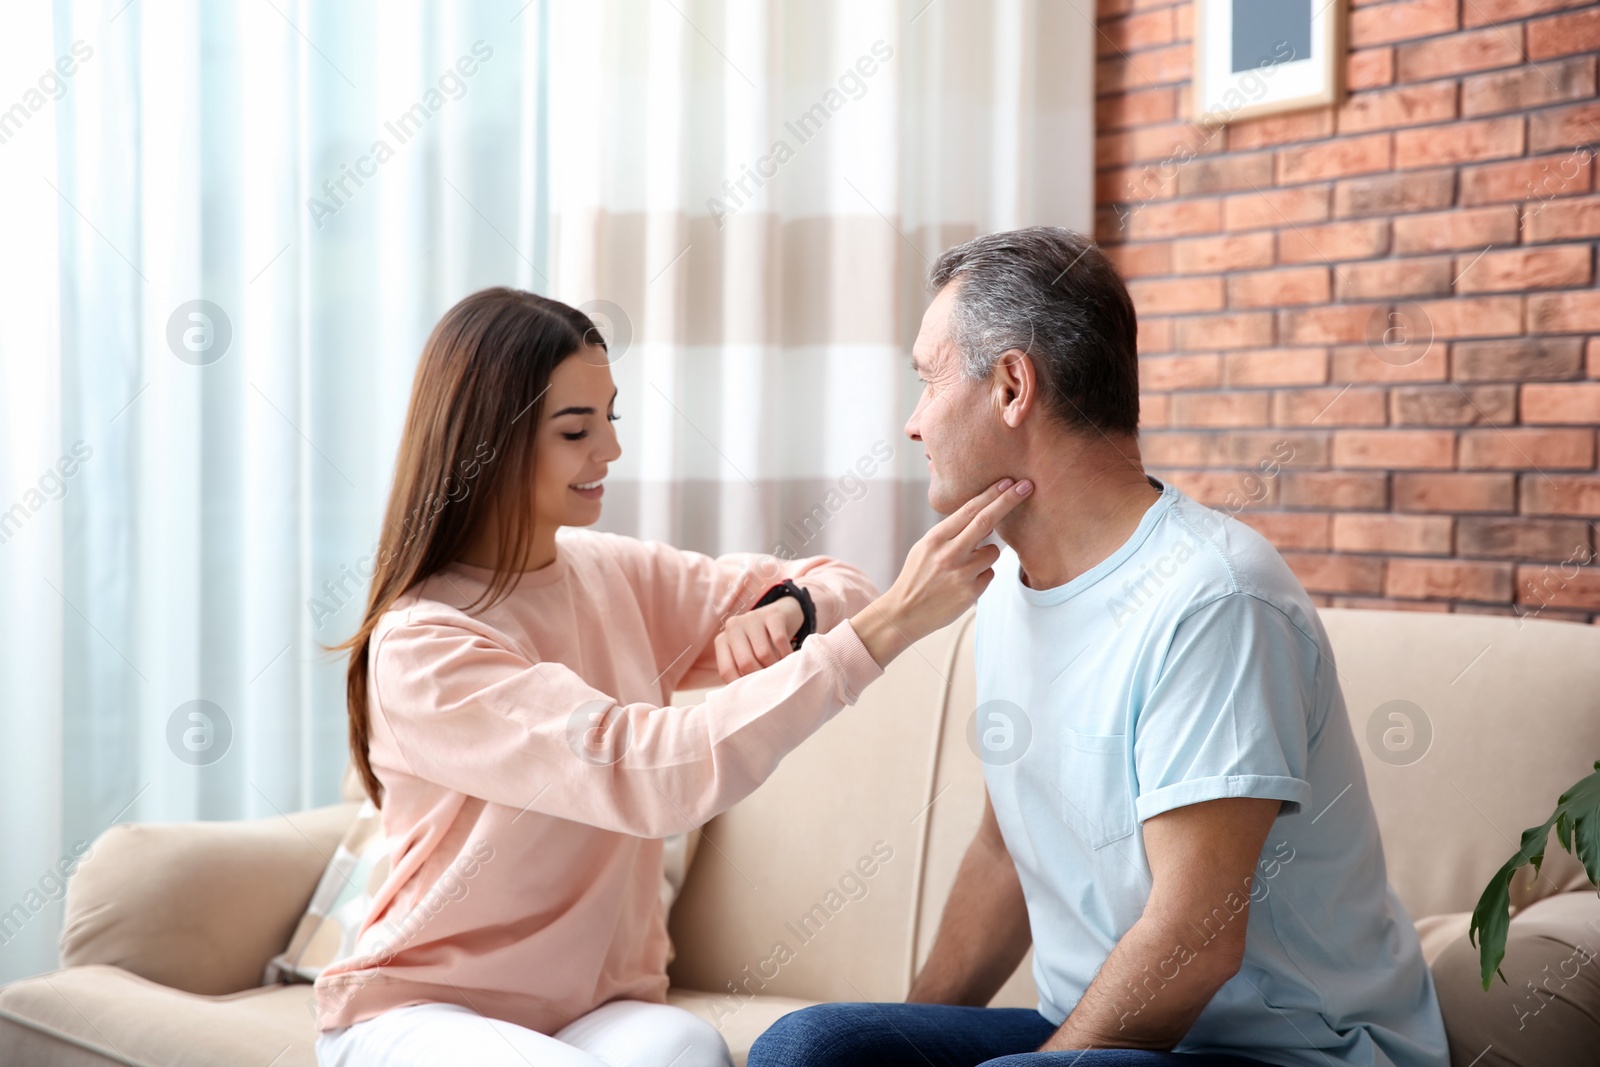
column 508, row 697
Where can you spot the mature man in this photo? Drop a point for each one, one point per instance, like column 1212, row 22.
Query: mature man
column 1177, row 816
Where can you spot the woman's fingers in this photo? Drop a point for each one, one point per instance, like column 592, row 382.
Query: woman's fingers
column 993, row 505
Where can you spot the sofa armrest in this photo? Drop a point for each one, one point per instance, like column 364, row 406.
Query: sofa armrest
column 199, row 907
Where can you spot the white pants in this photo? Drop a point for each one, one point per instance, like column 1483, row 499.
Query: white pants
column 623, row 1033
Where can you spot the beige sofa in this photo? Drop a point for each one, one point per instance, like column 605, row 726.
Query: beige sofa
column 168, row 926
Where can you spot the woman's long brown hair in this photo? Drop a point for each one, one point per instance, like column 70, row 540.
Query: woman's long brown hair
column 468, row 442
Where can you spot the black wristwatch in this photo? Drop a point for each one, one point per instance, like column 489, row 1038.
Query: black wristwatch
column 788, row 588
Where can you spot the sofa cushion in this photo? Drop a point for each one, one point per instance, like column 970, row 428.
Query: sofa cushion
column 741, row 1025
column 97, row 1015
column 1547, row 1011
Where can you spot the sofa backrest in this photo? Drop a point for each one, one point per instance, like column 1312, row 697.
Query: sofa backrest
column 787, row 895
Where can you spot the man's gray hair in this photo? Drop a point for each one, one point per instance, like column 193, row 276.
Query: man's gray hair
column 1051, row 293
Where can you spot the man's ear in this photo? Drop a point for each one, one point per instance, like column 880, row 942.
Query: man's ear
column 1016, row 385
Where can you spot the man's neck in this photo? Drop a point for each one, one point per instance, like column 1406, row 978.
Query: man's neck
column 1087, row 503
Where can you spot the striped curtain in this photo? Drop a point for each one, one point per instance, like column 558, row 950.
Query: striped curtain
column 751, row 195
column 230, row 228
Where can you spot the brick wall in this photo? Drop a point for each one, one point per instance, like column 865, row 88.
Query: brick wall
column 1367, row 330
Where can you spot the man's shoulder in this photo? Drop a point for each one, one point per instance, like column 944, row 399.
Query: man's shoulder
column 1228, row 558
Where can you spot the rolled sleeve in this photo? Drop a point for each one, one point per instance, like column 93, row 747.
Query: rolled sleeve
column 1229, row 713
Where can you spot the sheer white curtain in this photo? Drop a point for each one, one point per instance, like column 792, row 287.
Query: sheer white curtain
column 227, row 230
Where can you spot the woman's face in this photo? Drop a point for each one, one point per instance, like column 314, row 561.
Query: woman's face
column 576, row 441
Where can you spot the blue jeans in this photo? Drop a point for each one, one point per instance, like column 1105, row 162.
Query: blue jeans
column 939, row 1035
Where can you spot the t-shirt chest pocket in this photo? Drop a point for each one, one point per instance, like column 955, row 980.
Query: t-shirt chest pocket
column 1092, row 788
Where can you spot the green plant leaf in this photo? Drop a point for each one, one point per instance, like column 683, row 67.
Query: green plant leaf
column 1576, row 821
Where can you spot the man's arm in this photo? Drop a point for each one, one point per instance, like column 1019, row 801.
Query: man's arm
column 1190, row 938
column 983, row 933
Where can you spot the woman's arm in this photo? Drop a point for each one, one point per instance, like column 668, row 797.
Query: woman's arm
column 687, row 598
column 456, row 706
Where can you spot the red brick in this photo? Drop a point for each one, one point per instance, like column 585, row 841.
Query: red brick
column 1393, row 194
column 1225, row 174
column 1421, row 359
column 1395, row 449
column 1342, row 490
column 1183, row 22
column 1139, row 260
column 1219, row 409
column 1564, row 312
column 1155, row 335
column 1141, row 108
column 1291, row 530
column 1335, row 159
column 1415, row 535
column 1461, row 142
column 1275, row 288
column 1594, row 357
column 1454, row 492
column 1448, row 579
column 1571, row 174
column 1557, row 267
column 1179, row 449
column 1516, row 448
column 1477, row 316
column 1209, row 255
column 1121, row 35
column 1528, row 86
column 1221, row 489
column 1336, row 574
column 1275, row 366
column 1561, row 402
column 1275, row 207
column 1329, row 407
column 1479, row 12
column 1520, row 360
column 1169, row 296
column 1181, row 372
column 1280, row 129
column 1334, row 241
column 1378, row 603
column 1569, row 585
column 1562, row 127
column 1560, row 494
column 1369, row 68
column 1393, row 278
column 1562, row 220
column 1133, row 185
column 1158, row 66
column 1246, row 330
column 1449, row 230
column 1176, row 219
column 1453, row 405
column 1106, row 9
column 1409, row 105
column 1402, row 20
column 1270, row 451
column 1154, row 410
column 1174, row 145
column 1564, row 34
column 1460, row 53
column 1324, row 325
column 1539, row 539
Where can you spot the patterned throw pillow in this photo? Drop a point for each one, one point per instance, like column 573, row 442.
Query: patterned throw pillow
column 327, row 931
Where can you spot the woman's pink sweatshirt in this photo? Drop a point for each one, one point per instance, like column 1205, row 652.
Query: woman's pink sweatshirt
column 526, row 856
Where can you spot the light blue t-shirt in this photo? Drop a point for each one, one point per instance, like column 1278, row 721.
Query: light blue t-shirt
column 1188, row 666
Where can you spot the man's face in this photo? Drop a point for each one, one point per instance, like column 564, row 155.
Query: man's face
column 956, row 419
